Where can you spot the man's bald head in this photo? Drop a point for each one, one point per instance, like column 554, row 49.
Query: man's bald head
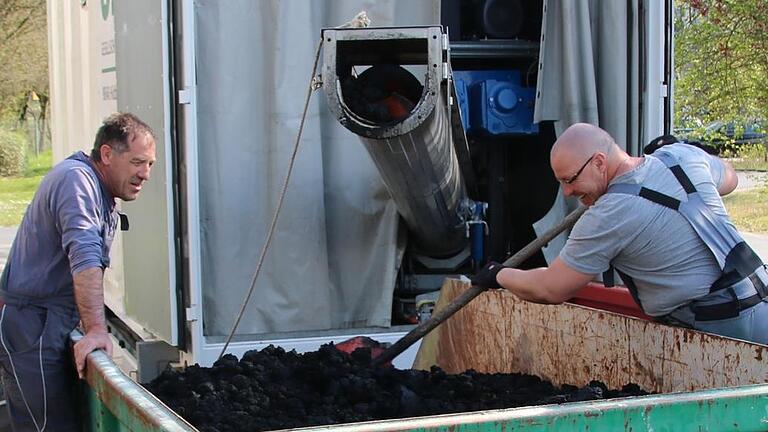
column 582, row 140
column 584, row 160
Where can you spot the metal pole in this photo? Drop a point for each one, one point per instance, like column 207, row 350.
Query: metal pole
column 464, row 298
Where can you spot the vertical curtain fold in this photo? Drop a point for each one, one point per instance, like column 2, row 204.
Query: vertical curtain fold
column 334, row 255
column 589, row 71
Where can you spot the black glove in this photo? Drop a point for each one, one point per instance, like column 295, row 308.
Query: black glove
column 486, row 277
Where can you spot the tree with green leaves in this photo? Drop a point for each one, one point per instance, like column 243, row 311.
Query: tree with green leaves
column 23, row 53
column 721, row 62
column 24, row 85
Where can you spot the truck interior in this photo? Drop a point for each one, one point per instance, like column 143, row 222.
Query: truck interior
column 452, row 134
column 369, row 232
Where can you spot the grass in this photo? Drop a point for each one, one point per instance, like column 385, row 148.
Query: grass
column 17, row 192
column 750, row 164
column 749, row 209
column 39, row 165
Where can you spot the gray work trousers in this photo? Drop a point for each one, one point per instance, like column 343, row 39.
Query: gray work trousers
column 751, row 325
column 37, row 337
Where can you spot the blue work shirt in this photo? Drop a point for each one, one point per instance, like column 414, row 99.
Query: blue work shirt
column 68, row 227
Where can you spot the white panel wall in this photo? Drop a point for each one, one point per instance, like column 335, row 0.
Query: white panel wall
column 81, row 41
column 82, row 72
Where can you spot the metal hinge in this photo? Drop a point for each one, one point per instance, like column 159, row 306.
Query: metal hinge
column 191, row 314
column 317, row 82
column 185, row 96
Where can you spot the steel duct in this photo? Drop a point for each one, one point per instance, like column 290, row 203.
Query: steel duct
column 406, row 126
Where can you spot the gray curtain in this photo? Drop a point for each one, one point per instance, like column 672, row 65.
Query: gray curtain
column 589, row 71
column 335, row 253
column 589, row 67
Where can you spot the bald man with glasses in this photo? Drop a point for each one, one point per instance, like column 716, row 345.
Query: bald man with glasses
column 659, row 221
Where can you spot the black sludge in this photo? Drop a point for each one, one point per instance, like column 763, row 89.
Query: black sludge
column 274, row 389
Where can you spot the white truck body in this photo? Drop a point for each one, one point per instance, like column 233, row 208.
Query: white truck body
column 223, row 85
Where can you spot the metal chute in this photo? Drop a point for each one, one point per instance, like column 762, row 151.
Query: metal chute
column 408, row 126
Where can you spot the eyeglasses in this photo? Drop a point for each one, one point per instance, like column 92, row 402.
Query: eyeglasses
column 575, row 176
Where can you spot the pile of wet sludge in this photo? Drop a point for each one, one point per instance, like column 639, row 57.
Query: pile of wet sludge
column 274, row 389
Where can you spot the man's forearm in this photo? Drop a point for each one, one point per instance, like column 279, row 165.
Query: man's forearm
column 527, row 284
column 550, row 285
column 89, row 296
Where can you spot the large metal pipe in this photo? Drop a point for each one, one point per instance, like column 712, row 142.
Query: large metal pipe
column 405, row 125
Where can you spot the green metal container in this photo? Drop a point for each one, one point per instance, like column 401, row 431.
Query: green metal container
column 119, row 404
column 704, row 382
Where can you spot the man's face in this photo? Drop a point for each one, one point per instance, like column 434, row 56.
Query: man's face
column 126, row 172
column 581, row 179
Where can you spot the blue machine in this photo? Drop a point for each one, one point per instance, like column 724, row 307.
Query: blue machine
column 495, row 102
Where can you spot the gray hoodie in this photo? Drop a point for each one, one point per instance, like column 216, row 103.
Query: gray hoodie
column 68, row 227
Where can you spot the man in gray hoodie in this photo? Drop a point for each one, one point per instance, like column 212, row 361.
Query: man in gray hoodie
column 54, row 275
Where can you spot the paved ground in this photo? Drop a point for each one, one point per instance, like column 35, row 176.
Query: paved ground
column 759, row 243
column 751, row 179
column 7, row 235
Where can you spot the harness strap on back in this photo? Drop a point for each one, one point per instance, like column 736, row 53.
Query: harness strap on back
column 649, row 194
column 630, row 285
column 736, row 259
column 680, row 175
column 608, row 280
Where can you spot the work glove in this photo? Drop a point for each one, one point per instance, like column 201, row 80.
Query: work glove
column 486, row 277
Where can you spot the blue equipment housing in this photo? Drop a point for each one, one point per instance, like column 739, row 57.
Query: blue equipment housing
column 494, row 102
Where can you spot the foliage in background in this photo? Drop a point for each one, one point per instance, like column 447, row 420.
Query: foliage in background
column 721, row 66
column 12, row 153
column 39, row 165
column 24, row 89
column 23, row 52
column 17, row 192
column 750, row 157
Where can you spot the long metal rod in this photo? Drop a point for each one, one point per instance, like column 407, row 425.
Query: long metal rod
column 464, row 298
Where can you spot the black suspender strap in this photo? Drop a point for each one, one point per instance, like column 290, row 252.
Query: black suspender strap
column 649, row 194
column 660, row 198
column 630, row 283
column 760, row 287
column 683, row 179
column 608, row 279
column 725, row 310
